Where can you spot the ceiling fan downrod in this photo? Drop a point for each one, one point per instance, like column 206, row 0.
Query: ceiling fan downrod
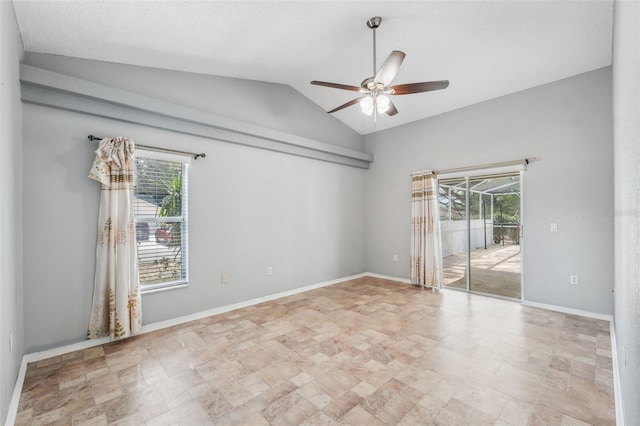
column 374, row 23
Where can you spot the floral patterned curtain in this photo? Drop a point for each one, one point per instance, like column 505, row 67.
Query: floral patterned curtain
column 426, row 242
column 116, row 310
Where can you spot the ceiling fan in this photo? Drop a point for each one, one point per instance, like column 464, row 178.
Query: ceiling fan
column 376, row 89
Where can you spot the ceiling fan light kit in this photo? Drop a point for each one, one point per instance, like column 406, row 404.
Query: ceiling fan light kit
column 376, row 90
column 379, row 103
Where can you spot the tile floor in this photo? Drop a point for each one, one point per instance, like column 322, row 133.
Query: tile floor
column 362, row 352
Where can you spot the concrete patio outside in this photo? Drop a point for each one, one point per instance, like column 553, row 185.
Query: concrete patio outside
column 494, row 270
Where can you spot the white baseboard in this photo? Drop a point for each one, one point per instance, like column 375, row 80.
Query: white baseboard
column 571, row 311
column 12, row 411
column 388, row 277
column 617, row 390
column 38, row 356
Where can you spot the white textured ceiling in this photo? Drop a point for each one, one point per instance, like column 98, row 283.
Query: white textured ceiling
column 485, row 49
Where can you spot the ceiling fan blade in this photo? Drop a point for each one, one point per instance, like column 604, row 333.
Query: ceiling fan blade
column 427, row 86
column 335, row 85
column 392, row 109
column 389, row 68
column 348, row 104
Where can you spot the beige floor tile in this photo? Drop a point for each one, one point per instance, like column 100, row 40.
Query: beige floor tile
column 166, row 419
column 395, row 409
column 151, row 409
column 447, row 418
column 517, row 383
column 363, row 389
column 357, row 416
column 444, row 390
column 132, row 420
column 543, row 415
column 516, row 412
column 367, row 351
column 292, row 409
column 95, row 421
column 570, row 421
column 484, row 399
column 49, row 417
column 418, row 415
column 314, row 394
column 339, row 406
column 319, row 419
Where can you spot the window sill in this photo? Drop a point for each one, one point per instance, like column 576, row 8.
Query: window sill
column 150, row 289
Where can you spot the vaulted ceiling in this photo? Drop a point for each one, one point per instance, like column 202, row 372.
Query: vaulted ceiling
column 486, row 49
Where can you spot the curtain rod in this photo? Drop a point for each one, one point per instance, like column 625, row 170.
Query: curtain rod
column 155, row 148
column 485, row 166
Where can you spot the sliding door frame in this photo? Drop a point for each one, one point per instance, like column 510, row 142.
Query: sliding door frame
column 522, row 240
column 478, row 173
column 467, row 234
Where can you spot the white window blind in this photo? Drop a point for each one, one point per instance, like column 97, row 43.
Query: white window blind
column 161, row 213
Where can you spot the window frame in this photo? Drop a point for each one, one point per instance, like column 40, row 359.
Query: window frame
column 183, row 219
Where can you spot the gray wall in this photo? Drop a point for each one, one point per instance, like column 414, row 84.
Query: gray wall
column 626, row 108
column 275, row 106
column 568, row 126
column 11, row 54
column 249, row 209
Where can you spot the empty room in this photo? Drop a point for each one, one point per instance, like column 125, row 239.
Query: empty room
column 320, row 212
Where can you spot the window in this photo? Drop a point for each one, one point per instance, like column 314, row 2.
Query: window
column 160, row 209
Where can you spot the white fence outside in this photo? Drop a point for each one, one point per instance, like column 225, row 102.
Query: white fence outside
column 453, row 235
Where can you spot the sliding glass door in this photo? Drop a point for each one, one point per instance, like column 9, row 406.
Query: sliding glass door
column 480, row 224
column 452, row 195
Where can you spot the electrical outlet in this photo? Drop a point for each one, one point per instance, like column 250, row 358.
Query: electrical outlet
column 269, row 270
column 224, row 278
column 11, row 342
column 573, row 279
column 395, row 257
column 553, row 227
